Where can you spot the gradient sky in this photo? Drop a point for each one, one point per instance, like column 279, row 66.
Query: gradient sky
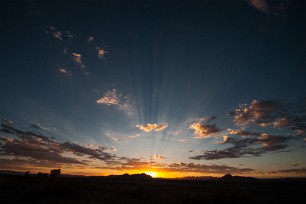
column 180, row 88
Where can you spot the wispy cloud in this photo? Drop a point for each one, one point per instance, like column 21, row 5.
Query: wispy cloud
column 156, row 156
column 77, row 58
column 270, row 7
column 64, row 71
column 40, row 127
column 261, row 5
column 113, row 98
column 90, row 40
column 301, row 171
column 152, row 127
column 101, row 52
column 58, row 34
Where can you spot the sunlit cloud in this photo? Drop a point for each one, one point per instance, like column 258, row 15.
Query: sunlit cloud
column 269, row 7
column 101, row 52
column 261, row 5
column 271, row 113
column 156, row 156
column 215, row 168
column 60, row 35
column 202, row 128
column 152, row 127
column 113, row 98
column 179, row 167
column 77, row 58
column 64, row 71
column 248, row 144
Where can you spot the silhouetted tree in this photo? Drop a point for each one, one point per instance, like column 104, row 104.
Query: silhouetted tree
column 55, row 172
column 27, row 174
column 39, row 174
column 45, row 175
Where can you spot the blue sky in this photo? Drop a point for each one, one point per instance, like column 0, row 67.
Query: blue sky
column 176, row 87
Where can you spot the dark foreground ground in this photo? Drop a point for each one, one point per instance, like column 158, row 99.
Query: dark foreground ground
column 18, row 189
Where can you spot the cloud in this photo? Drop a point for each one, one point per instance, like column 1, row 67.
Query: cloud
column 34, row 146
column 64, row 71
column 101, row 52
column 204, row 131
column 270, row 7
column 156, row 156
column 257, row 112
column 248, row 144
column 6, row 122
column 271, row 113
column 202, row 128
column 192, row 167
column 93, row 153
column 40, row 127
column 261, row 5
column 301, row 171
column 113, row 98
column 69, row 34
column 58, row 34
column 90, row 39
column 152, row 127
column 180, row 167
column 77, row 58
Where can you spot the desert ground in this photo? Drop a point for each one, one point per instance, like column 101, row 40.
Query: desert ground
column 20, row 189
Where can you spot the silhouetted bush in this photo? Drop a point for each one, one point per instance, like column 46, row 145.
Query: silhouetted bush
column 27, row 174
column 45, row 175
column 55, row 172
column 39, row 174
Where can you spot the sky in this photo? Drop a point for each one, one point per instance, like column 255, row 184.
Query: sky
column 168, row 88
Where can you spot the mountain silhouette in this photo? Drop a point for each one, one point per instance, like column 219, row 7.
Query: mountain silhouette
column 229, row 177
column 131, row 176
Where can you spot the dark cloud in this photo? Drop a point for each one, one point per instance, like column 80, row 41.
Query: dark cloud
column 192, row 167
column 248, row 144
column 272, row 113
column 30, row 145
column 301, row 171
column 93, row 153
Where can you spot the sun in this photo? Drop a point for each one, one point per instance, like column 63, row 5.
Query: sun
column 152, row 174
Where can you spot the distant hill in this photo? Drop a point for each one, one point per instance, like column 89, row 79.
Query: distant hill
column 131, row 176
column 199, row 178
column 229, row 177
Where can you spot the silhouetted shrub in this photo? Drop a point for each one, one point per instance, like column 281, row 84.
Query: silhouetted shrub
column 39, row 174
column 55, row 172
column 45, row 175
column 27, row 174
